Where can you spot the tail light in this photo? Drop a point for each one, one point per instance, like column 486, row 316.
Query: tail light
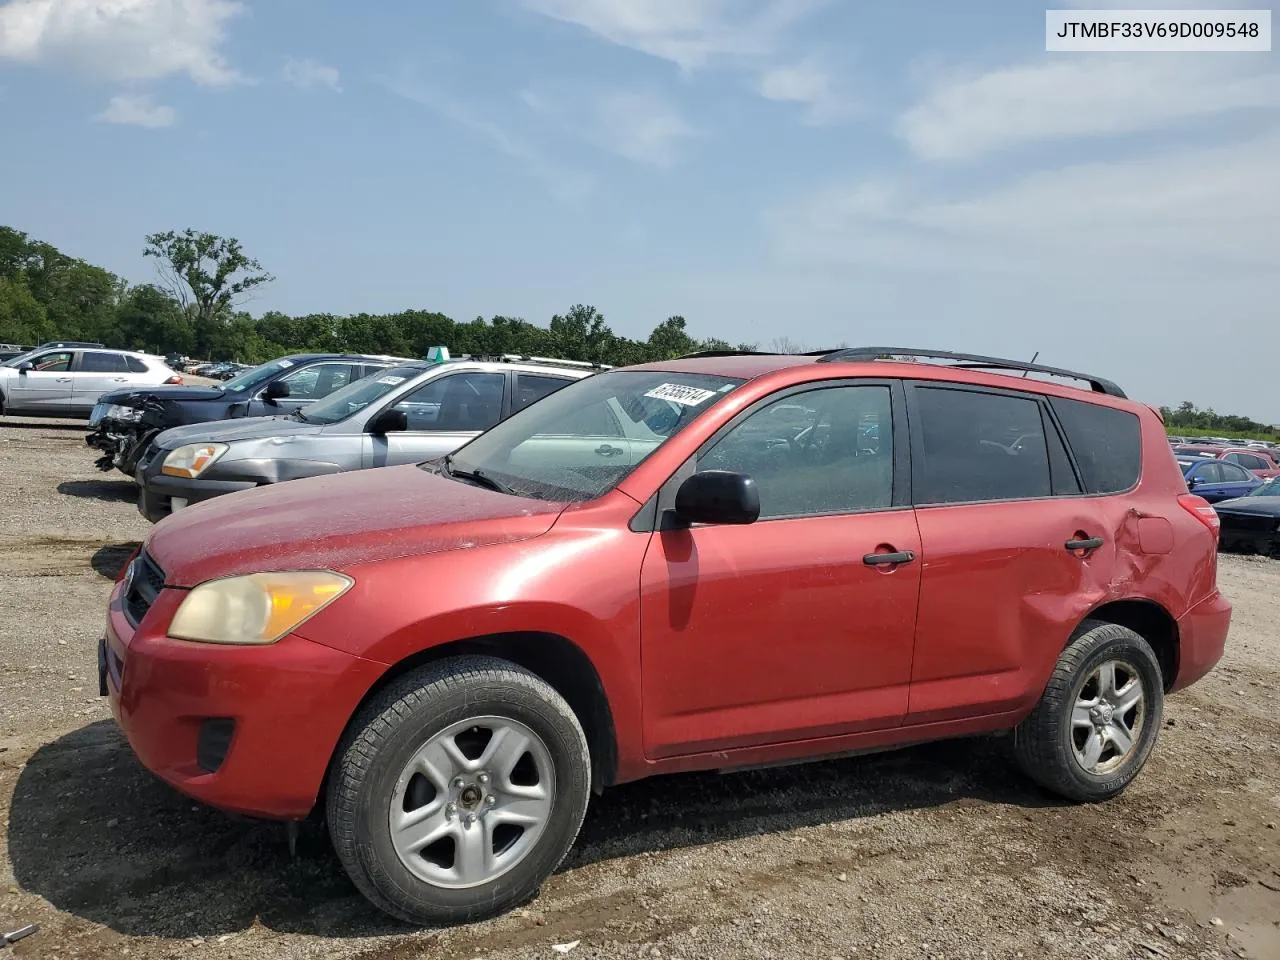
column 1199, row 508
column 175, row 380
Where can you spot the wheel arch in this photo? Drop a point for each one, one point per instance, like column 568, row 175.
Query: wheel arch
column 555, row 659
column 1152, row 622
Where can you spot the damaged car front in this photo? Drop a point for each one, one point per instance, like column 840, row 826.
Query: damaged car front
column 125, row 422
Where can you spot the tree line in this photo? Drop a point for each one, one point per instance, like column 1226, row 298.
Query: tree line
column 1188, row 418
column 194, row 311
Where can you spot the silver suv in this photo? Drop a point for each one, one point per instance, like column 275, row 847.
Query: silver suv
column 405, row 414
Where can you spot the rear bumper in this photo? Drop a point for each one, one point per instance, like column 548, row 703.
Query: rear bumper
column 286, row 706
column 1202, row 635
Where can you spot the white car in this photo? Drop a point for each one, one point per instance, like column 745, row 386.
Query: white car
column 67, row 381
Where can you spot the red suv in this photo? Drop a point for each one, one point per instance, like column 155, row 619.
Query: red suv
column 708, row 563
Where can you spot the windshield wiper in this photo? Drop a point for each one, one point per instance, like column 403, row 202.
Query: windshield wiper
column 476, row 477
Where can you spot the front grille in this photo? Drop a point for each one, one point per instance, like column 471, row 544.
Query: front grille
column 145, row 584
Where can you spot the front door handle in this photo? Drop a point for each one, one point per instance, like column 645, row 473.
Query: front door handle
column 119, row 379
column 63, row 380
column 607, row 451
column 888, row 559
column 1092, row 543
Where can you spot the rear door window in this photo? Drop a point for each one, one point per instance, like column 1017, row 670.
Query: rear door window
column 135, row 365
column 531, row 388
column 1234, row 473
column 1107, row 443
column 93, row 361
column 976, row 446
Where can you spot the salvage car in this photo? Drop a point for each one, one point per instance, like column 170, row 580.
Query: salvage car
column 67, row 381
column 404, row 414
column 1214, row 479
column 124, row 422
column 1252, row 523
column 663, row 569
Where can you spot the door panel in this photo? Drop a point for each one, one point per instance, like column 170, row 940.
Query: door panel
column 46, row 389
column 999, row 594
column 781, row 630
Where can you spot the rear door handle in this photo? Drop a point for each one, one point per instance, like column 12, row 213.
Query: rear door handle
column 63, row 380
column 1093, row 543
column 120, row 379
column 888, row 559
column 607, row 451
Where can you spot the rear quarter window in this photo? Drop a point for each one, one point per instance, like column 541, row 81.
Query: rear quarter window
column 1107, row 444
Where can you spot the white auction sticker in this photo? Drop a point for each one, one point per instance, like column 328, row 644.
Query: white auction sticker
column 391, row 381
column 286, row 364
column 681, row 394
column 1157, row 31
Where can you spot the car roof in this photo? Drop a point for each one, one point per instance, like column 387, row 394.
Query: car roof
column 749, row 366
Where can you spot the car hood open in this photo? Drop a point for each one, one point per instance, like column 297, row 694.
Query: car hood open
column 337, row 521
column 229, row 431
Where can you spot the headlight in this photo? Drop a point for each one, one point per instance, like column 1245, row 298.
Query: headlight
column 116, row 412
column 192, row 460
column 256, row 609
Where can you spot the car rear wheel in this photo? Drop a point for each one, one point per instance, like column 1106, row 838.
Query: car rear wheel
column 458, row 790
column 1099, row 716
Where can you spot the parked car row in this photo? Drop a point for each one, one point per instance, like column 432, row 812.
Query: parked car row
column 516, row 582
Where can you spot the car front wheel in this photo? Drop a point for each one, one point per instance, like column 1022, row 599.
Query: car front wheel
column 459, row 789
column 1099, row 717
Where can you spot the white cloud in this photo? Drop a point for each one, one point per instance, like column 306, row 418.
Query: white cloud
column 566, row 184
column 637, row 125
column 122, row 39
column 1163, row 218
column 138, row 111
column 308, row 74
column 689, row 33
column 1078, row 95
column 812, row 84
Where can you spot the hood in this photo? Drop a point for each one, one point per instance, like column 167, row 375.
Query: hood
column 337, row 521
column 229, row 431
column 1258, row 506
column 135, row 397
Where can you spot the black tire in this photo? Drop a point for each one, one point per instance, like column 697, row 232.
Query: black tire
column 1043, row 742
column 393, row 727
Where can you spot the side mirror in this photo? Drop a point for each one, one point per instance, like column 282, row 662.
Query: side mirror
column 25, row 367
column 390, row 420
column 276, row 390
column 718, row 496
column 1193, row 483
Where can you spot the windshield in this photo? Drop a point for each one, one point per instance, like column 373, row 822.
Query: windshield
column 356, row 396
column 579, row 442
column 21, row 358
column 1269, row 489
column 258, row 375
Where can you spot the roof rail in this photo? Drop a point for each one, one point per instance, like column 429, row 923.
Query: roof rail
column 971, row 360
column 540, row 361
column 700, row 354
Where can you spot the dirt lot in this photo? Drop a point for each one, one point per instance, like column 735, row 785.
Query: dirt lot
column 942, row 851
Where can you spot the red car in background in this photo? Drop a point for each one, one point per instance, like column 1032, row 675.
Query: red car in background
column 1259, row 462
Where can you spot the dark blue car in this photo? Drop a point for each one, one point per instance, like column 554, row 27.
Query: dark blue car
column 1215, row 479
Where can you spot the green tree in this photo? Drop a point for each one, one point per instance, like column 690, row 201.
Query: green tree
column 208, row 275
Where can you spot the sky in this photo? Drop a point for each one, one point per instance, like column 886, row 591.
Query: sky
column 917, row 174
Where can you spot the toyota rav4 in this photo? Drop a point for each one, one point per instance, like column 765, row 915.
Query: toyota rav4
column 710, row 563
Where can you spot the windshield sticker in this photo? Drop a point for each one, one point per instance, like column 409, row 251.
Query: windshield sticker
column 286, row 364
column 391, row 381
column 678, row 393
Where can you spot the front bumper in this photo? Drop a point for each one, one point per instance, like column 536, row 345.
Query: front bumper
column 1202, row 638
column 157, row 492
column 283, row 706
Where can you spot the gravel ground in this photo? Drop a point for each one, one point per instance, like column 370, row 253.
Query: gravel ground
column 940, row 851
